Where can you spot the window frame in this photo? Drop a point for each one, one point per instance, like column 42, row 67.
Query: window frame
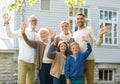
column 112, row 37
column 72, row 18
column 45, row 10
column 103, row 69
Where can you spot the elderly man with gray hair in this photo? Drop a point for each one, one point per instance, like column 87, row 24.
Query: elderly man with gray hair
column 26, row 58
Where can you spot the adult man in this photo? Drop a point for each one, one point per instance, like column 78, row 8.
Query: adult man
column 26, row 58
column 92, row 38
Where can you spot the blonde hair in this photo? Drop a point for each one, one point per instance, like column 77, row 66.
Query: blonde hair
column 62, row 22
column 73, row 44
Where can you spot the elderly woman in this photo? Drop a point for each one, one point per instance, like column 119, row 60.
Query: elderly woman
column 42, row 61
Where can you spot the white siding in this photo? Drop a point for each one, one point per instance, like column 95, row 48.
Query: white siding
column 59, row 12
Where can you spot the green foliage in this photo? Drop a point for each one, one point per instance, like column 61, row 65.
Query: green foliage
column 72, row 3
column 31, row 2
column 19, row 3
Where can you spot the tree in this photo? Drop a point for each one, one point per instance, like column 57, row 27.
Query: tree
column 19, row 3
column 72, row 3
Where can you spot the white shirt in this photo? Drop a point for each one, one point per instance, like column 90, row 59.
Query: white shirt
column 26, row 53
column 45, row 58
column 92, row 38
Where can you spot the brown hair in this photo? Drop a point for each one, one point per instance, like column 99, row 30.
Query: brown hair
column 58, row 47
column 80, row 14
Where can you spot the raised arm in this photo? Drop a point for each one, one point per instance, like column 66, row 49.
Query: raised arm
column 52, row 35
column 32, row 44
column 52, row 51
column 98, row 39
column 15, row 34
column 89, row 49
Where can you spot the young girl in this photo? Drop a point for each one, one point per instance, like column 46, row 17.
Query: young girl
column 58, row 57
column 74, row 66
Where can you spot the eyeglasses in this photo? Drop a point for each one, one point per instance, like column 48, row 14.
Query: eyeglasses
column 33, row 20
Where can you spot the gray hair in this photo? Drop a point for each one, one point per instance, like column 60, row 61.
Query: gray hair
column 32, row 17
column 43, row 29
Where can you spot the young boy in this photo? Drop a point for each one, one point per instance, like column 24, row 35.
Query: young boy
column 74, row 66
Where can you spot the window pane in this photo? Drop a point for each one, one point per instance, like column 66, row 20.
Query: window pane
column 76, row 28
column 81, row 10
column 115, row 30
column 110, row 15
column 114, row 18
column 115, row 40
column 106, row 75
column 100, row 75
column 101, row 24
column 86, row 13
column 110, row 75
column 106, row 15
column 75, row 11
column 106, row 40
column 71, row 24
column 110, row 41
column 45, row 4
column 101, row 14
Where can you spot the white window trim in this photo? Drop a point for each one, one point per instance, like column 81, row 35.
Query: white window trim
column 73, row 18
column 107, row 21
column 46, row 10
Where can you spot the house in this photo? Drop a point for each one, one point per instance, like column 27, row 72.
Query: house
column 98, row 13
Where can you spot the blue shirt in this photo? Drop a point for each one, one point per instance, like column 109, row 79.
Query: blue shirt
column 74, row 67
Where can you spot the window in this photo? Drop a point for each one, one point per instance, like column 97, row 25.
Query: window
column 106, row 75
column 45, row 5
column 73, row 12
column 109, row 18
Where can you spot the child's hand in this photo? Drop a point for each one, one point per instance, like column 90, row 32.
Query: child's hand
column 23, row 26
column 84, row 38
column 68, row 81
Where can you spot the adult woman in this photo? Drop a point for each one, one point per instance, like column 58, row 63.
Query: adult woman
column 65, row 34
column 43, row 62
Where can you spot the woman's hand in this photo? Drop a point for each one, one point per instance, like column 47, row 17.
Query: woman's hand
column 51, row 33
column 23, row 26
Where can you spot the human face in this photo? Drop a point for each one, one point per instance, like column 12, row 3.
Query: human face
column 63, row 47
column 80, row 21
column 75, row 50
column 33, row 22
column 65, row 28
column 44, row 35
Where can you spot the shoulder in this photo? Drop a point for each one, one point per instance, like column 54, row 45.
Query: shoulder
column 57, row 36
column 69, row 57
column 89, row 28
